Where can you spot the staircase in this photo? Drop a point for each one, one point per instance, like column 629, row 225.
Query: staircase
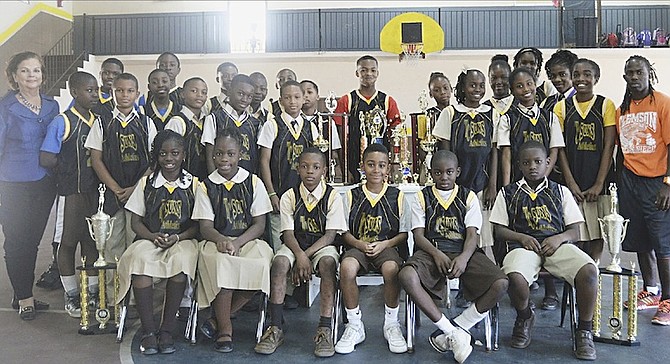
column 60, row 62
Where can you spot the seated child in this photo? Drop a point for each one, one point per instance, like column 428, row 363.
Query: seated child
column 312, row 214
column 378, row 227
column 231, row 205
column 446, row 220
column 161, row 208
column 538, row 219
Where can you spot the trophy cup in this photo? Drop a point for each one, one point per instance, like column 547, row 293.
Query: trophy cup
column 429, row 142
column 100, row 228
column 613, row 229
column 372, row 128
column 331, row 105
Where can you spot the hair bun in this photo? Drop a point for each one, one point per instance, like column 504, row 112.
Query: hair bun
column 500, row 57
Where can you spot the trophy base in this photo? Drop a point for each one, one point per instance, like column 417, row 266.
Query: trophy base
column 609, row 340
column 96, row 330
column 615, row 268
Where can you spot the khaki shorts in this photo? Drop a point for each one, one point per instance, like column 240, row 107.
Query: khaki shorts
column 327, row 251
column 590, row 229
column 565, row 263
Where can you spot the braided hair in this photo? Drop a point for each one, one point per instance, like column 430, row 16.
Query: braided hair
column 230, row 132
column 536, row 53
column 460, row 84
column 157, row 144
column 627, row 97
column 500, row 60
column 437, row 75
column 562, row 57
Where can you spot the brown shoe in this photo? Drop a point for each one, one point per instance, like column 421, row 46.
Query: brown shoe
column 585, row 348
column 323, row 342
column 521, row 331
column 272, row 338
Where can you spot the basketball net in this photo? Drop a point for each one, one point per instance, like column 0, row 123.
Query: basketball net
column 411, row 53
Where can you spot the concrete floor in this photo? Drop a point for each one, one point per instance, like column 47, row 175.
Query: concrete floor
column 52, row 337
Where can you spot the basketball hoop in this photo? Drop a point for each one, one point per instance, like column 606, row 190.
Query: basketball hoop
column 411, row 53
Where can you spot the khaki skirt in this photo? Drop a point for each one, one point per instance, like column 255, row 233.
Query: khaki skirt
column 248, row 270
column 144, row 258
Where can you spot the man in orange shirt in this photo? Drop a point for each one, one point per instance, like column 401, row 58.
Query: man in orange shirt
column 643, row 123
column 364, row 99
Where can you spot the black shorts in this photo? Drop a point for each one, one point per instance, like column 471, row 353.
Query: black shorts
column 649, row 228
column 78, row 207
column 373, row 264
column 479, row 275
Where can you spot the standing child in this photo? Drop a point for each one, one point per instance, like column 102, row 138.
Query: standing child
column 170, row 63
column 559, row 72
column 111, row 69
column 189, row 124
column 537, row 219
column 234, row 262
column 260, row 93
column 643, row 122
column 160, row 109
column 440, row 90
column 501, row 100
column 234, row 114
column 119, row 145
column 312, row 214
column 526, row 121
column 166, row 248
column 63, row 149
column 530, row 58
column 364, row 99
column 445, row 224
column 224, row 76
column 378, row 225
column 282, row 139
column 284, row 75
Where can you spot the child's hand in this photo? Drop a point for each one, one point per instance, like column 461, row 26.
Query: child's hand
column 591, row 195
column 489, row 198
column 663, row 198
column 275, row 203
column 458, row 265
column 530, row 243
column 302, row 271
column 373, row 249
column 225, row 246
column 549, row 245
column 159, row 240
column 443, row 263
column 124, row 194
column 576, row 192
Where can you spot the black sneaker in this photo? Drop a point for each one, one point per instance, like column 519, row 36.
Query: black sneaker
column 50, row 279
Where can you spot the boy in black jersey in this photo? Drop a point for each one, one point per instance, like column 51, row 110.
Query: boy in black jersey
column 378, row 225
column 63, row 149
column 160, row 108
column 446, row 219
column 312, row 214
column 538, row 219
column 258, row 110
column 284, row 75
column 224, row 76
column 111, row 68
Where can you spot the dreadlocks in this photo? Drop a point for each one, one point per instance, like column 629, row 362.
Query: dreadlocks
column 627, row 97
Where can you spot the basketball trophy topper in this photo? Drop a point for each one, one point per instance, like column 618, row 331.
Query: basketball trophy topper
column 100, row 228
column 613, row 229
column 429, row 142
column 372, row 128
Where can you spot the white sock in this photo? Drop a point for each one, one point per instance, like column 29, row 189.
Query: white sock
column 470, row 317
column 70, row 285
column 652, row 290
column 93, row 284
column 354, row 315
column 390, row 315
column 445, row 325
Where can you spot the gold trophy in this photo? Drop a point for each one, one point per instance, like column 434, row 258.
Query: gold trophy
column 615, row 322
column 429, row 142
column 331, row 105
column 613, row 229
column 373, row 129
column 100, row 228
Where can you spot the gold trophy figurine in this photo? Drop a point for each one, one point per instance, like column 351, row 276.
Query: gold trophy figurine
column 100, row 228
column 429, row 142
column 320, row 141
column 331, row 105
column 613, row 229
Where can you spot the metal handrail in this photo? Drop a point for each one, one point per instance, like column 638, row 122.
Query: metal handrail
column 64, row 46
column 53, row 85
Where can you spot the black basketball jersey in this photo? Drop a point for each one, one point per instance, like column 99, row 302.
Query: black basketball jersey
column 248, row 126
column 309, row 222
column 540, row 93
column 74, row 173
column 551, row 101
column 160, row 120
column 215, row 104
column 584, row 140
column 195, row 152
column 275, row 108
column 445, row 219
column 539, row 215
column 374, row 218
column 286, row 149
column 175, row 97
column 499, row 105
column 472, row 142
column 231, row 203
column 125, row 152
column 525, row 127
column 358, row 104
column 105, row 104
column 168, row 209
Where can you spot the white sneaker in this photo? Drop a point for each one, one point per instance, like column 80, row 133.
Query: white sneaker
column 459, row 341
column 353, row 335
column 393, row 335
column 438, row 340
column 72, row 306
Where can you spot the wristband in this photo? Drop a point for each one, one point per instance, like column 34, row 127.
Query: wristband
column 666, row 180
column 272, row 194
column 177, row 235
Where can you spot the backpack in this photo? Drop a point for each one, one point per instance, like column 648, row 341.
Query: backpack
column 660, row 37
column 644, row 38
column 629, row 37
column 612, row 40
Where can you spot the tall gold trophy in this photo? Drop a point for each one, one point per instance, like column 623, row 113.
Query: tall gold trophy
column 373, row 130
column 613, row 230
column 429, row 142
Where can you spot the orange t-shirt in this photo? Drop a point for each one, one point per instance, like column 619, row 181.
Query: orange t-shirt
column 644, row 135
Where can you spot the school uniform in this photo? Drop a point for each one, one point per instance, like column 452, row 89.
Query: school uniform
column 165, row 207
column 542, row 212
column 247, row 125
column 160, row 117
column 584, row 131
column 231, row 205
column 275, row 109
column 75, row 178
column 125, row 142
column 551, row 101
column 376, row 217
column 261, row 114
column 105, row 103
column 544, row 90
column 445, row 217
column 215, row 103
column 175, row 97
column 521, row 124
column 188, row 125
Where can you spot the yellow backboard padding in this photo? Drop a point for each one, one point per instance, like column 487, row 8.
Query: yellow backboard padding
column 433, row 36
